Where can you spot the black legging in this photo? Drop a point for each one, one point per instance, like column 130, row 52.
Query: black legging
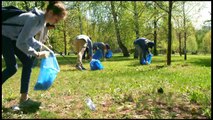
column 9, row 50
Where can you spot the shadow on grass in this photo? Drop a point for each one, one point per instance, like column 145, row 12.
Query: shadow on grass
column 26, row 108
column 202, row 62
column 120, row 58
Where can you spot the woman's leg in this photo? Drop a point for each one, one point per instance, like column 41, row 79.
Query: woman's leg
column 27, row 63
column 80, row 48
column 9, row 58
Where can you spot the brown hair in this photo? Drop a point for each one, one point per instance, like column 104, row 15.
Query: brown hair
column 58, row 8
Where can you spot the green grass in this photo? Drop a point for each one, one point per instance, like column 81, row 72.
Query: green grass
column 123, row 89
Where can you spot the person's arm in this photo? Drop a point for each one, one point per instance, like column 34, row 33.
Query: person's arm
column 26, row 37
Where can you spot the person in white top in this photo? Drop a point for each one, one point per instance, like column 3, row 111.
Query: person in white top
column 81, row 43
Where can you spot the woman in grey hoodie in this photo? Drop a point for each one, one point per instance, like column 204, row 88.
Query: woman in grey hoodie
column 20, row 41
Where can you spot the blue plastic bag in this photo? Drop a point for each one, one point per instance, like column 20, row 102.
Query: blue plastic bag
column 48, row 71
column 95, row 64
column 98, row 54
column 148, row 58
column 108, row 54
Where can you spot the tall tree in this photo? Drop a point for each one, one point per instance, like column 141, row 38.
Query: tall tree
column 136, row 17
column 79, row 17
column 169, row 39
column 169, row 34
column 184, row 26
column 121, row 45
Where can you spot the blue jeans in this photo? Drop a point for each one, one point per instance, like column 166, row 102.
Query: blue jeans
column 9, row 50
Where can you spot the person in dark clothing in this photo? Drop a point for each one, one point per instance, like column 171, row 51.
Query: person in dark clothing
column 101, row 46
column 142, row 46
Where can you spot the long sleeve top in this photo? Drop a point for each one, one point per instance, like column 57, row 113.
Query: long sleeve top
column 32, row 23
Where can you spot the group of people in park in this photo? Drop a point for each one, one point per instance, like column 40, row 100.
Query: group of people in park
column 20, row 41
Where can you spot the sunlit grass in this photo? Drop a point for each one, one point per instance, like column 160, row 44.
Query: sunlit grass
column 123, row 89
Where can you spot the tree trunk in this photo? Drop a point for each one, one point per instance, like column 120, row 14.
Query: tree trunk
column 26, row 6
column 179, row 37
column 155, row 36
column 136, row 20
column 80, row 20
column 36, row 4
column 65, row 40
column 184, row 25
column 123, row 48
column 169, row 34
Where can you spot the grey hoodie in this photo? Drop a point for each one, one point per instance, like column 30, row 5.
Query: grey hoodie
column 24, row 35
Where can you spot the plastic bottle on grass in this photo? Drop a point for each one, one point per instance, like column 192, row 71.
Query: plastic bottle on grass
column 90, row 104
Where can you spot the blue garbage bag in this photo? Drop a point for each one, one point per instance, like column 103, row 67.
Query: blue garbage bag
column 108, row 54
column 148, row 58
column 95, row 64
column 49, row 69
column 98, row 54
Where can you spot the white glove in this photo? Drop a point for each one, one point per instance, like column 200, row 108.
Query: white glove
column 43, row 54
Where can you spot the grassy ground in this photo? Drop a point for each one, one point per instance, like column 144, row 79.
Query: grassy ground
column 123, row 89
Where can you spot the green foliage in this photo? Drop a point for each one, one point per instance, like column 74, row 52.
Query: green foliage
column 207, row 42
column 96, row 20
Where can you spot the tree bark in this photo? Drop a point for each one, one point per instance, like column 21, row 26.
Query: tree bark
column 184, row 25
column 169, row 34
column 26, row 6
column 80, row 19
column 65, row 40
column 155, row 32
column 136, row 20
column 179, row 37
column 121, row 45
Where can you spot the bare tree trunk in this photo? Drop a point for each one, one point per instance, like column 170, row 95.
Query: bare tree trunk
column 26, row 6
column 80, row 20
column 123, row 48
column 36, row 3
column 169, row 34
column 155, row 35
column 179, row 37
column 136, row 20
column 184, row 25
column 65, row 40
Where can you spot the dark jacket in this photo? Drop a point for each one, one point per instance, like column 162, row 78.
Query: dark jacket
column 144, row 44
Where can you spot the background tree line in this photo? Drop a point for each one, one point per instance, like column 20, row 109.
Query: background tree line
column 119, row 23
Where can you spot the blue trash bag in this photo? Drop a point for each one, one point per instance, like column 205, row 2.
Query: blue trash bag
column 98, row 54
column 95, row 64
column 48, row 71
column 108, row 54
column 143, row 61
column 148, row 58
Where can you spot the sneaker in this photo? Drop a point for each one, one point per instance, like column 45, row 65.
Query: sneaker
column 78, row 67
column 83, row 68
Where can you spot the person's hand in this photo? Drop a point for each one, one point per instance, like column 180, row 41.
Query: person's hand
column 43, row 54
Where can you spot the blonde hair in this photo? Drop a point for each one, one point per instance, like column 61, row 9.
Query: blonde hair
column 58, row 8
